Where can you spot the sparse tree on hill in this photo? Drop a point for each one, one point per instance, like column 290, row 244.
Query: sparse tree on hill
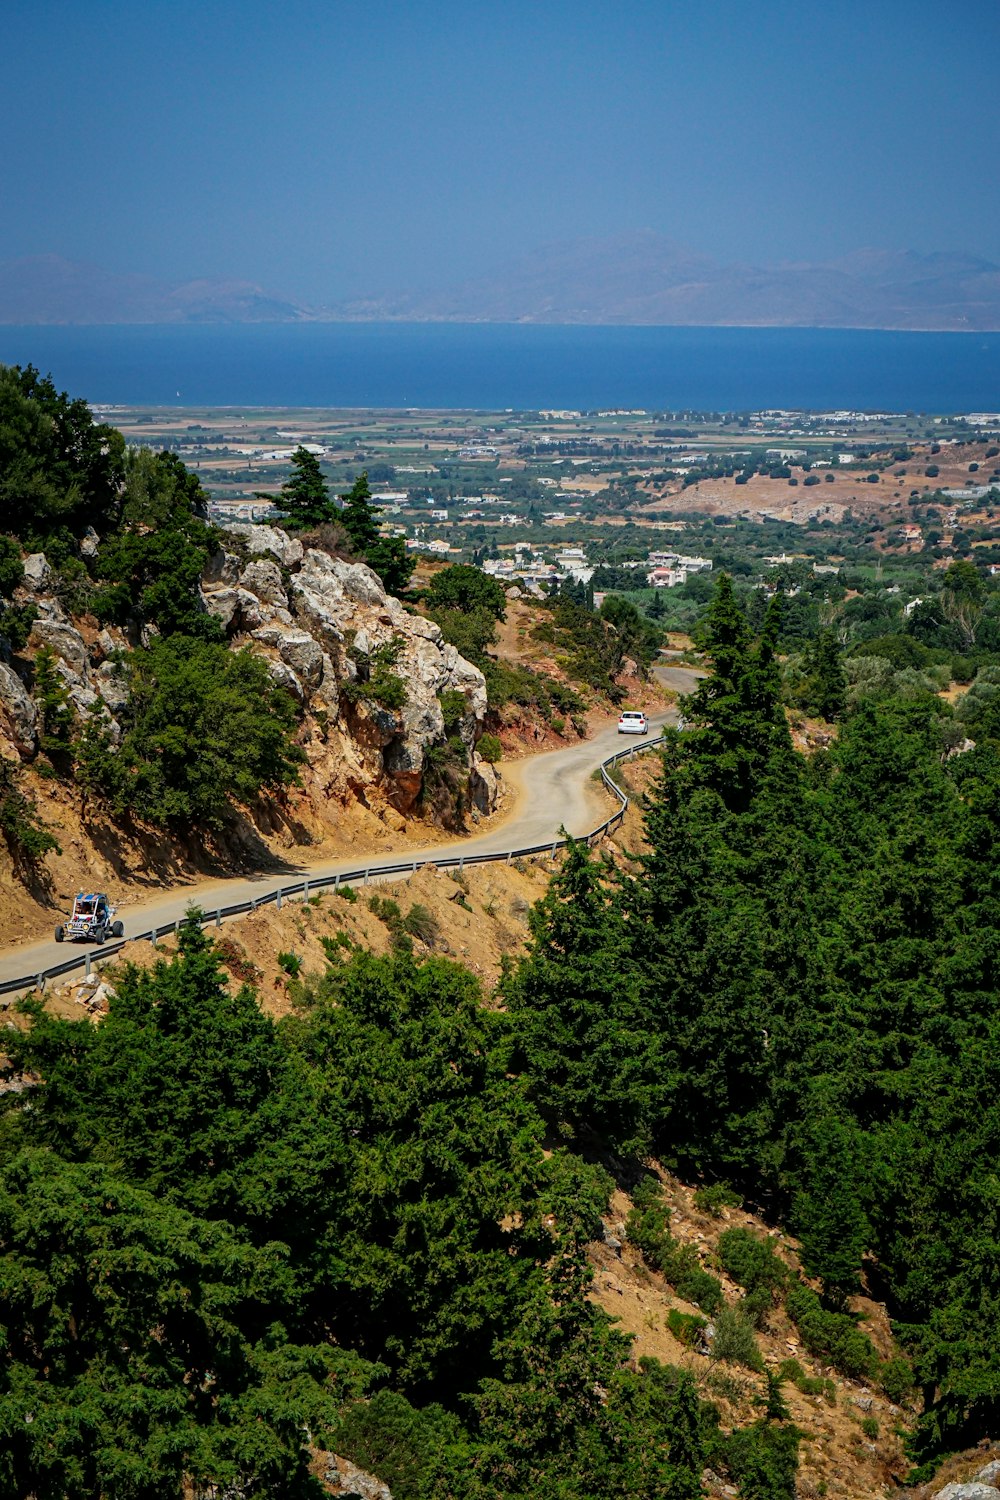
column 305, row 498
column 358, row 515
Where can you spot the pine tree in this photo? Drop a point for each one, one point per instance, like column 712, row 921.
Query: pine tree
column 305, row 498
column 826, row 690
column 358, row 516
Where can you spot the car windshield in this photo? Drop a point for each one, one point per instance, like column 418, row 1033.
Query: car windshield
column 85, row 908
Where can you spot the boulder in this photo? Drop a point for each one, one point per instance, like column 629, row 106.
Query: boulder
column 109, row 681
column 304, row 655
column 89, row 543
column 270, row 539
column 50, row 609
column 89, row 705
column 971, row 1491
column 990, row 1474
column 19, row 708
column 286, row 678
column 37, row 573
column 67, row 643
column 222, row 567
column 484, row 785
column 263, row 579
column 223, row 604
column 346, row 1480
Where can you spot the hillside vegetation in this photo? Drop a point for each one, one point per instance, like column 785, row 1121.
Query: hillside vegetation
column 240, row 1236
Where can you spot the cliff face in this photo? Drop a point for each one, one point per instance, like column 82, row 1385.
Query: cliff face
column 320, row 623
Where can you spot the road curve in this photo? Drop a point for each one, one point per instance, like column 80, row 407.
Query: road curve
column 554, row 790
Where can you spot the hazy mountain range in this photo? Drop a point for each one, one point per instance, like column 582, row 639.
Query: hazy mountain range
column 637, row 278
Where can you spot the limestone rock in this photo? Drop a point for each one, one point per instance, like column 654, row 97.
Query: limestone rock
column 286, row 678
column 222, row 567
column 235, row 609
column 335, row 601
column 89, row 543
column 971, row 1491
column 990, row 1474
column 263, row 579
column 304, row 655
column 17, row 704
column 110, row 683
column 484, row 785
column 37, row 573
column 50, row 609
column 67, row 643
column 270, row 539
column 346, row 1480
column 223, row 604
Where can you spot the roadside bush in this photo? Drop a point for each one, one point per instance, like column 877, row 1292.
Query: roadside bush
column 763, row 1460
column 462, row 587
column 376, row 681
column 791, row 1369
column 490, row 748
column 453, row 709
column 647, row 1228
column 421, row 923
column 896, row 1379
column 25, row 834
column 203, row 727
column 685, row 1327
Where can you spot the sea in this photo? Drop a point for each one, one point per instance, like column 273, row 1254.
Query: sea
column 517, row 367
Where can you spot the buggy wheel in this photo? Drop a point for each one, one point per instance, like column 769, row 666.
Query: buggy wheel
column 60, row 934
column 100, row 933
column 118, row 930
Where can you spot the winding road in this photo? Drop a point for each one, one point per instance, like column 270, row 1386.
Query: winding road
column 553, row 790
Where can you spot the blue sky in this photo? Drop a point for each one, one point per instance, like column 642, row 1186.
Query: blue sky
column 329, row 150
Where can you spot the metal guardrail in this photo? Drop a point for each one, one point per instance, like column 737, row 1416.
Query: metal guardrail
column 306, row 886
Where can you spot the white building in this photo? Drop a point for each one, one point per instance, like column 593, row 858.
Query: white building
column 666, row 578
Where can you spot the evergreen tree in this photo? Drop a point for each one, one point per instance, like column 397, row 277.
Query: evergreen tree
column 358, row 516
column 826, row 688
column 580, row 1010
column 304, row 497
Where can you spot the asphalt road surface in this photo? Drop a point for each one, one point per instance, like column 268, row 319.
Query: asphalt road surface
column 554, row 790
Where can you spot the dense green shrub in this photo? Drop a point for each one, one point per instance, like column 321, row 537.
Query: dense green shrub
column 204, row 727
column 704, row 1290
column 750, row 1260
column 717, row 1196
column 26, row 836
column 833, row 1335
column 647, row 1227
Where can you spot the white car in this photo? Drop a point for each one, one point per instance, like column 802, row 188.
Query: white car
column 632, row 721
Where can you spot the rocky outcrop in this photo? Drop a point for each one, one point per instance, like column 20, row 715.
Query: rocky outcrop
column 37, row 572
column 320, row 620
column 321, row 623
column 348, row 1482
column 484, row 785
column 269, row 540
column 264, row 580
column 19, row 710
column 971, row 1491
column 67, row 643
